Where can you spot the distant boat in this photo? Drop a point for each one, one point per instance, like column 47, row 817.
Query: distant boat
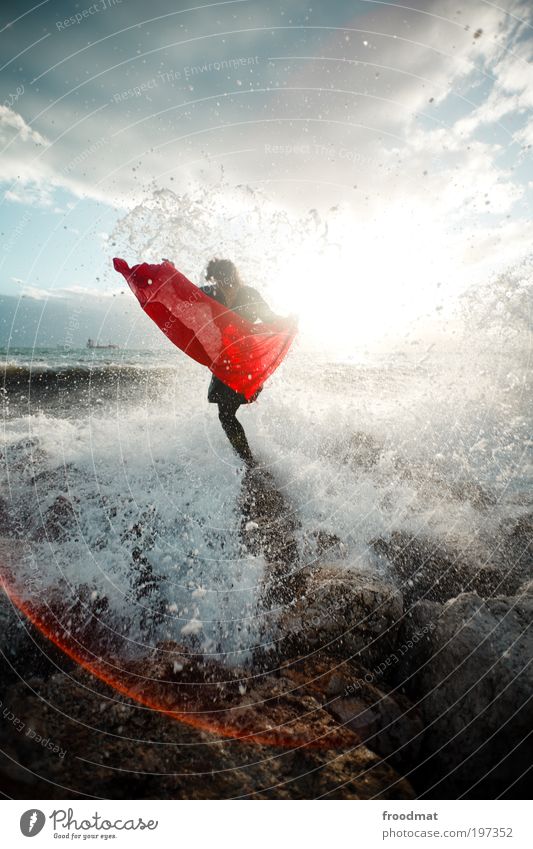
column 92, row 344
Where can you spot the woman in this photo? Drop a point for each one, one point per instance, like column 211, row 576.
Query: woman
column 226, row 287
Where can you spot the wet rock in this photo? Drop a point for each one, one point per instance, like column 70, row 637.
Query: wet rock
column 386, row 721
column 413, row 647
column 432, row 570
column 266, row 708
column 362, row 451
column 59, row 521
column 457, row 490
column 85, row 741
column 282, row 585
column 520, row 532
column 345, row 611
column 268, row 522
column 23, row 457
column 80, row 616
column 517, row 548
column 470, row 491
column 23, row 650
column 6, row 517
column 50, row 480
column 322, row 545
column 526, row 588
column 268, row 527
column 145, row 585
column 474, row 684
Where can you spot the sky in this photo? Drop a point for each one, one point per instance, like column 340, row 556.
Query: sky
column 394, row 139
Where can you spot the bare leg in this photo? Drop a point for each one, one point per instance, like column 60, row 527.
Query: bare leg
column 234, row 429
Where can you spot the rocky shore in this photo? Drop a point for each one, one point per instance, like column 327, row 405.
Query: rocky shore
column 411, row 681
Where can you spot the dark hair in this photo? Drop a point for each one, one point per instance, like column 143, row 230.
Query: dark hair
column 223, row 271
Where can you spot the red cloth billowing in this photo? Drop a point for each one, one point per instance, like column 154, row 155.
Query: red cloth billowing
column 241, row 354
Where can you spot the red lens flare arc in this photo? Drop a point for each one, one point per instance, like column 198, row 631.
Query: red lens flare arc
column 118, row 681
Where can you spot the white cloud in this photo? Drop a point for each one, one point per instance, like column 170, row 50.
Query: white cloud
column 525, row 134
column 385, row 86
column 32, row 166
column 454, row 178
column 28, row 180
column 11, row 120
column 31, row 192
column 512, row 90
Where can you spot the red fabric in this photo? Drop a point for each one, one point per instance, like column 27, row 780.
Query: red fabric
column 243, row 355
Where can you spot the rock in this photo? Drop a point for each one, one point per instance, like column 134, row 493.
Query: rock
column 59, row 520
column 267, row 527
column 362, row 451
column 6, row 518
column 268, row 520
column 526, row 588
column 413, row 646
column 385, row 721
column 24, row 651
column 457, row 490
column 474, row 683
column 23, row 456
column 321, row 545
column 263, row 708
column 145, row 584
column 76, row 738
column 58, row 479
column 517, row 548
column 470, row 491
column 432, row 570
column 346, row 612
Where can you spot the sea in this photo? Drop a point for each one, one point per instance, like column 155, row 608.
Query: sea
column 117, row 479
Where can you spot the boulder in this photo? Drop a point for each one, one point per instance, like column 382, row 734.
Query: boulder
column 7, row 519
column 59, row 521
column 345, row 611
column 473, row 683
column 322, row 546
column 517, row 548
column 385, row 720
column 77, row 738
column 436, row 571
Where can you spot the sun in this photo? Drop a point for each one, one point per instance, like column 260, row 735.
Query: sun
column 369, row 279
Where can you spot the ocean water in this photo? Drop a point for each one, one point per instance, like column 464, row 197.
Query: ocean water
column 149, row 517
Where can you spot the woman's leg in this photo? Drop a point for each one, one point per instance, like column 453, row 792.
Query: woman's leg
column 233, row 429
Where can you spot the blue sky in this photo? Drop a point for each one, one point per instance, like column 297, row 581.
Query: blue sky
column 392, row 112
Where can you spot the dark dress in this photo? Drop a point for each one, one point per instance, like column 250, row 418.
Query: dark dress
column 251, row 306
